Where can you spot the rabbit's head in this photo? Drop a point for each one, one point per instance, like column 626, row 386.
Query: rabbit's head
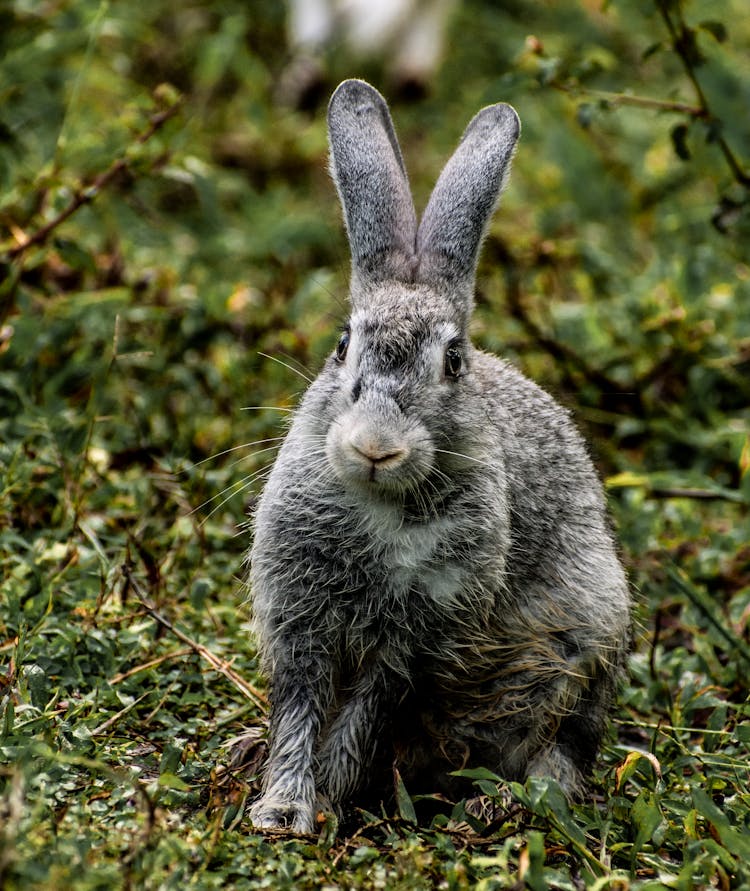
column 404, row 360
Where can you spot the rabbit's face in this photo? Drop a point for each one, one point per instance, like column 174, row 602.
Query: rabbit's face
column 400, row 362
column 402, row 371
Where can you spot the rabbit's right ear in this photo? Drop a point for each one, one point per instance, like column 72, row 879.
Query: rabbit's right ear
column 462, row 202
column 370, row 176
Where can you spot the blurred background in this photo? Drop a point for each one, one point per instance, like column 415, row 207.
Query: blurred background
column 172, row 255
column 616, row 272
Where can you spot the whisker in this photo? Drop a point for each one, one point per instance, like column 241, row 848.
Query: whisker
column 298, row 363
column 287, row 365
column 290, row 411
column 462, row 455
column 243, row 483
column 318, row 466
column 256, row 452
column 267, row 408
column 245, row 445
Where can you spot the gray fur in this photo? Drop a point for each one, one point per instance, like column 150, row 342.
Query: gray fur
column 371, row 179
column 433, row 579
column 461, row 205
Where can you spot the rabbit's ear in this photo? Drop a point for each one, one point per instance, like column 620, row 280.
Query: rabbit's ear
column 462, row 202
column 371, row 180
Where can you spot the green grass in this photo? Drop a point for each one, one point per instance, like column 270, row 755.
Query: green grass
column 133, row 344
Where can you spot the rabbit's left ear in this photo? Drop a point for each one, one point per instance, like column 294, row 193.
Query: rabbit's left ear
column 369, row 172
column 462, row 203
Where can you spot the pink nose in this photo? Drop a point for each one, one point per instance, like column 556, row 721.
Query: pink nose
column 380, row 455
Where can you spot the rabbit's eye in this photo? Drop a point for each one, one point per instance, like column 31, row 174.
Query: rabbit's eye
column 342, row 346
column 454, row 362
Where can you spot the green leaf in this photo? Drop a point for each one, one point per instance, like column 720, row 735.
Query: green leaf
column 403, row 801
column 715, row 28
column 633, row 761
column 172, row 781
column 534, row 874
column 585, row 114
column 74, row 255
column 652, row 49
column 647, row 816
column 200, row 590
column 364, row 854
column 627, row 479
column 328, row 831
column 687, row 44
column 477, row 773
column 736, row 842
column 707, row 605
column 485, row 780
column 171, row 758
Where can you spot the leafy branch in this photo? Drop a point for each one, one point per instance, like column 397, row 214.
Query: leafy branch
column 683, row 41
column 614, row 99
column 575, row 367
column 86, row 193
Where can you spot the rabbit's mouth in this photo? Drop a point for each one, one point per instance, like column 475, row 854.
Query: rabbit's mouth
column 376, row 457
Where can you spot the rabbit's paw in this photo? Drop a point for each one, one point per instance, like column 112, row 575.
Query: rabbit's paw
column 488, row 808
column 556, row 764
column 296, row 816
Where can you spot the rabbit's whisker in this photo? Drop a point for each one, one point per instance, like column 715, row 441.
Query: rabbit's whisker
column 268, row 408
column 287, row 365
column 234, row 488
column 272, row 448
column 244, row 445
column 463, row 455
column 243, row 485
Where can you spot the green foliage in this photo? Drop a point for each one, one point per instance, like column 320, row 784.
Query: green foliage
column 166, row 224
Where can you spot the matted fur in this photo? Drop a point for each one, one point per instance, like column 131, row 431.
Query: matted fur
column 433, row 579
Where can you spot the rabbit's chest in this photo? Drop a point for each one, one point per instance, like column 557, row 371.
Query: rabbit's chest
column 415, row 560
column 407, row 596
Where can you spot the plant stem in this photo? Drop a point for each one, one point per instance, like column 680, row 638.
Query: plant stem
column 695, row 111
column 86, row 194
column 677, row 36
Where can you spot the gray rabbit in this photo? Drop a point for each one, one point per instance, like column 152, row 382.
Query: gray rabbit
column 433, row 579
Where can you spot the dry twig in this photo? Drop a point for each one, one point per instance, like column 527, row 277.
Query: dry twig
column 220, row 665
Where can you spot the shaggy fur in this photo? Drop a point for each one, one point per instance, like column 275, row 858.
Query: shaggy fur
column 433, row 579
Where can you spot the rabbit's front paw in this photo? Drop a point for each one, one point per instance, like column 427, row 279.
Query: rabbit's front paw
column 488, row 808
column 296, row 816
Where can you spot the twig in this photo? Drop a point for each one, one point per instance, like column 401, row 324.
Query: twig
column 695, row 111
column 123, row 675
column 220, row 665
column 697, row 494
column 86, row 194
column 558, row 350
column 110, row 722
column 677, row 37
column 663, row 727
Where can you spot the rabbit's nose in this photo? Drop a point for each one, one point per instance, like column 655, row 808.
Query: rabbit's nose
column 380, row 455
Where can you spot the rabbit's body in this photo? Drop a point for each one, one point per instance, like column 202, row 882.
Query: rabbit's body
column 432, row 575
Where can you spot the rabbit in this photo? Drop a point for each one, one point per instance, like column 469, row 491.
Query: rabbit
column 433, row 579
